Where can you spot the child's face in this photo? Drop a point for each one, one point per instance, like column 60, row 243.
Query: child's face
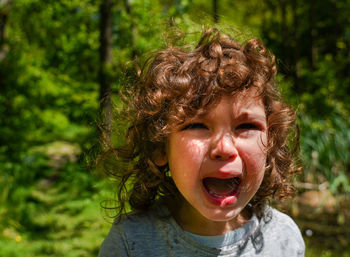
column 217, row 161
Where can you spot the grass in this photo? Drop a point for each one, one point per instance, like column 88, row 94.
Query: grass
column 315, row 249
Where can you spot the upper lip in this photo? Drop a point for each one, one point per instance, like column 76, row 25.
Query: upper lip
column 225, row 171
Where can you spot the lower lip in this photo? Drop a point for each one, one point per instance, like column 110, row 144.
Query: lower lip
column 222, row 201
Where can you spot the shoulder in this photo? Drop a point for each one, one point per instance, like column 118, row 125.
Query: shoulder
column 280, row 229
column 282, row 221
column 138, row 224
column 115, row 244
column 129, row 231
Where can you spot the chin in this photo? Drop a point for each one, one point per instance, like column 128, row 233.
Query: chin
column 222, row 215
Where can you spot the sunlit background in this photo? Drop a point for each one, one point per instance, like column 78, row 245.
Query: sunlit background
column 63, row 62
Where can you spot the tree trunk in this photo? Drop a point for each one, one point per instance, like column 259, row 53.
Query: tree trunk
column 4, row 13
column 215, row 11
column 284, row 29
column 296, row 47
column 106, row 33
column 133, row 36
column 313, row 34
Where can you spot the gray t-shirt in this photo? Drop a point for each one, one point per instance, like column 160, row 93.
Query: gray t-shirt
column 155, row 233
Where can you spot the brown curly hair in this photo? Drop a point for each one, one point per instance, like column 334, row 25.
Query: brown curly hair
column 180, row 83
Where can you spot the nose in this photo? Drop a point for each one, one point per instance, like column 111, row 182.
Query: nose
column 223, row 148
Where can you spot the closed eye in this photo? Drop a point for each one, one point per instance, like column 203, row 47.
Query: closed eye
column 194, row 126
column 248, row 126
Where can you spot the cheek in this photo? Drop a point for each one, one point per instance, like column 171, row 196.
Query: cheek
column 190, row 150
column 262, row 153
column 253, row 155
column 191, row 157
column 196, row 149
column 259, row 159
column 255, row 166
column 254, row 171
column 185, row 156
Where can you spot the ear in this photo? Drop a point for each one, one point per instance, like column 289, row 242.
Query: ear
column 160, row 159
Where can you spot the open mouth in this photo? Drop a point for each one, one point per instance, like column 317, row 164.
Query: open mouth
column 219, row 188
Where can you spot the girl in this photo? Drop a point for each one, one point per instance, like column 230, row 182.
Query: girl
column 209, row 144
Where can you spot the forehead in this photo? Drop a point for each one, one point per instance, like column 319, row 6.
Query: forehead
column 247, row 102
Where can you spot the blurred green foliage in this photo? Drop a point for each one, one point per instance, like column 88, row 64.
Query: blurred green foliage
column 49, row 59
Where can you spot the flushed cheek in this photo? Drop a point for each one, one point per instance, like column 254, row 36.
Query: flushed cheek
column 255, row 170
column 193, row 151
column 185, row 158
column 255, row 162
column 252, row 153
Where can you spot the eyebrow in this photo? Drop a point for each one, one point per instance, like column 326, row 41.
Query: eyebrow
column 247, row 114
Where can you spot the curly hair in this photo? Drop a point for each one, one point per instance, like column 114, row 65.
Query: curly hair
column 180, row 83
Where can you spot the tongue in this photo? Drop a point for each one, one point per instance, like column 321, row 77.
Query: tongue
column 221, row 187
